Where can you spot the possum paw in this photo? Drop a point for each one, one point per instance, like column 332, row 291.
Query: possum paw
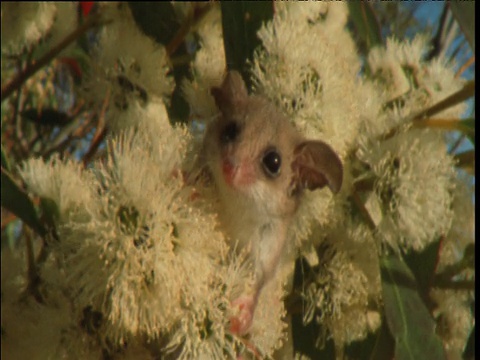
column 240, row 323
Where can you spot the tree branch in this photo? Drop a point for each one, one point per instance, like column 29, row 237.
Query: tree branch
column 31, row 69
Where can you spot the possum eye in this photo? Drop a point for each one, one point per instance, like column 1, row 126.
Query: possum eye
column 230, row 132
column 272, row 162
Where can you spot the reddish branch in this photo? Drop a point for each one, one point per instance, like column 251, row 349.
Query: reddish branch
column 32, row 68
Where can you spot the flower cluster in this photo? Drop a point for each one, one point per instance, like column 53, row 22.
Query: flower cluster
column 138, row 265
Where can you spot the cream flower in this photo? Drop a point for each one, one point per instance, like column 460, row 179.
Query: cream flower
column 33, row 330
column 208, row 68
column 123, row 50
column 129, row 66
column 414, row 179
column 61, row 182
column 454, row 319
column 462, row 231
column 318, row 87
column 409, row 84
column 24, row 24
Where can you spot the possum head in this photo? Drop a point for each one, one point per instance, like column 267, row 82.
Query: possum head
column 253, row 151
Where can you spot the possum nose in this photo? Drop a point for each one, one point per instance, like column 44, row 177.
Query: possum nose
column 229, row 170
column 238, row 174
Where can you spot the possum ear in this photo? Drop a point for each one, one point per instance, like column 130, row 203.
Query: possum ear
column 315, row 165
column 232, row 94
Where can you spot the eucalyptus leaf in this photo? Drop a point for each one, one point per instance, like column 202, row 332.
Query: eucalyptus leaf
column 50, row 211
column 468, row 126
column 240, row 22
column 366, row 23
column 469, row 351
column 384, row 345
column 423, row 264
column 464, row 13
column 11, row 236
column 17, row 201
column 156, row 19
column 5, row 162
column 408, row 319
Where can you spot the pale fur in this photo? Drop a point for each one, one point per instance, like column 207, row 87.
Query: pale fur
column 257, row 213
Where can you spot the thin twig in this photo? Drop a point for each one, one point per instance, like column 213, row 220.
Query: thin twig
column 465, row 66
column 7, row 219
column 461, row 95
column 466, row 92
column 94, row 146
column 31, row 69
column 22, row 142
column 457, row 144
column 100, row 132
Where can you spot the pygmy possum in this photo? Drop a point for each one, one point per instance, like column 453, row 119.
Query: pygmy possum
column 261, row 165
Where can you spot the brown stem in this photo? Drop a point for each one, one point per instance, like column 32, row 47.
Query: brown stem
column 7, row 219
column 465, row 66
column 463, row 94
column 94, row 146
column 100, row 132
column 446, row 124
column 31, row 69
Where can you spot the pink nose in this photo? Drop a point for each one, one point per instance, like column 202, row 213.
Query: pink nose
column 229, row 171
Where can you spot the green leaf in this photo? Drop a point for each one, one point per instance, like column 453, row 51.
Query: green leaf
column 5, row 162
column 408, row 319
column 366, row 23
column 376, row 346
column 156, row 19
column 11, row 235
column 469, row 352
column 17, row 201
column 384, row 344
column 464, row 13
column 240, row 22
column 469, row 128
column 423, row 264
column 50, row 211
